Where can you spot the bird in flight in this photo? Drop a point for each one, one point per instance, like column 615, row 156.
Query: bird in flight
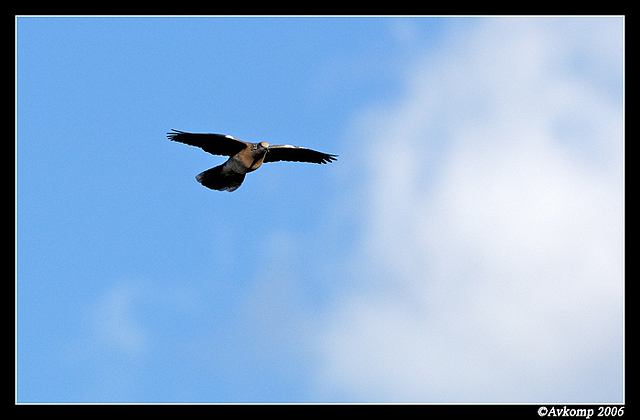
column 244, row 157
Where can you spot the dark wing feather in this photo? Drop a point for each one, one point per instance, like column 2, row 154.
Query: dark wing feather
column 216, row 144
column 297, row 154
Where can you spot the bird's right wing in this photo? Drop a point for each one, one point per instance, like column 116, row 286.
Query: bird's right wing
column 216, row 144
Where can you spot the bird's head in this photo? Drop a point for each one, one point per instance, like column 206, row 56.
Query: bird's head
column 263, row 145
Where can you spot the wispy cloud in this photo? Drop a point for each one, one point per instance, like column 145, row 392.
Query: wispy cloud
column 494, row 233
column 115, row 320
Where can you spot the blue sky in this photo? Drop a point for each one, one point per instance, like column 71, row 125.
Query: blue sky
column 467, row 246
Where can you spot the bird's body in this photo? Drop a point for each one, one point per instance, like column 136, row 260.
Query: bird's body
column 244, row 157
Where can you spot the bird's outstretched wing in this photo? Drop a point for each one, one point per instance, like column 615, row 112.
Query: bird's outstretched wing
column 216, row 144
column 297, row 154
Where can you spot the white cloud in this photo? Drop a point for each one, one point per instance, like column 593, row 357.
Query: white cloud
column 495, row 231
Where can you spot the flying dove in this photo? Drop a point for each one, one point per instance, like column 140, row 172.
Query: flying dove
column 244, row 157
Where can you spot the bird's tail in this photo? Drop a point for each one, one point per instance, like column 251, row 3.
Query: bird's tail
column 215, row 179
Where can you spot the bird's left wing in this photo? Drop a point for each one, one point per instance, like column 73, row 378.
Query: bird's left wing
column 297, row 154
column 216, row 144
